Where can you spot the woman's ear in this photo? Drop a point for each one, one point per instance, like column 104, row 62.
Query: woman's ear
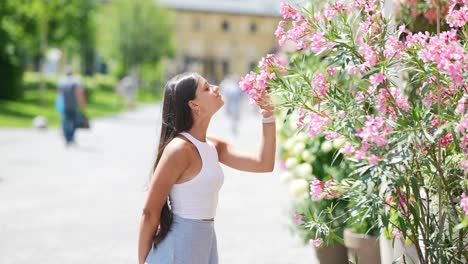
column 194, row 106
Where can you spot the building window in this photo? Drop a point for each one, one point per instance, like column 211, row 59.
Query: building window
column 225, row 25
column 253, row 27
column 226, row 69
column 197, row 24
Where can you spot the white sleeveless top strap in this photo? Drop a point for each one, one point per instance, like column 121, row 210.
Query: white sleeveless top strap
column 198, row 197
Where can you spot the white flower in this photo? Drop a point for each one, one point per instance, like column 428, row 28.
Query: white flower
column 303, row 170
column 339, row 142
column 299, row 188
column 290, row 163
column 307, row 156
column 302, row 137
column 326, row 146
column 289, row 143
column 286, row 176
column 298, row 148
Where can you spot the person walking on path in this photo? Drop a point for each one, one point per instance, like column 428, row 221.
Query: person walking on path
column 73, row 101
column 187, row 174
column 230, row 88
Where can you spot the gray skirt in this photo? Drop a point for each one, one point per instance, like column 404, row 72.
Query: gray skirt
column 189, row 241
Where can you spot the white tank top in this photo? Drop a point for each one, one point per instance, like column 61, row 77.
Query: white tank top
column 198, row 197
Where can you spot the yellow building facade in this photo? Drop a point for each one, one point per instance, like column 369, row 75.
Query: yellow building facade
column 216, row 43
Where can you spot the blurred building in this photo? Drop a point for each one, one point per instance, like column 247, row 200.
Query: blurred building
column 218, row 37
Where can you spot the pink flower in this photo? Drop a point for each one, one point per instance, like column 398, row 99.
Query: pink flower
column 316, row 124
column 464, row 203
column 319, row 42
column 315, row 242
column 377, row 78
column 347, row 149
column 320, row 83
column 464, row 164
column 352, row 69
column 341, row 114
column 374, row 131
column 457, row 18
column 462, row 126
column 288, row 11
column 359, row 154
column 316, row 189
column 446, row 140
column 247, row 83
column 331, row 70
column 280, row 29
column 369, row 55
column 373, row 159
column 331, row 135
column 462, row 106
column 329, row 12
column 329, row 189
column 298, row 218
column 300, row 122
column 397, row 233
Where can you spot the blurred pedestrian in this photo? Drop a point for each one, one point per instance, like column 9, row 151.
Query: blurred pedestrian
column 127, row 88
column 187, row 174
column 71, row 102
column 230, row 88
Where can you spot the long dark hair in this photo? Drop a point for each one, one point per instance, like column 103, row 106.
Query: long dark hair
column 176, row 118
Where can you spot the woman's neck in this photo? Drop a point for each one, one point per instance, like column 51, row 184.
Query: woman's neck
column 199, row 128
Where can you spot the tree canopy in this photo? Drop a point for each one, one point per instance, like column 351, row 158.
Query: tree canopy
column 135, row 32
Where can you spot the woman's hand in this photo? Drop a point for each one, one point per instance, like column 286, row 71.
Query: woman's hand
column 265, row 104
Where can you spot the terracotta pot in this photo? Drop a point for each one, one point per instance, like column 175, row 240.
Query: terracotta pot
column 333, row 254
column 362, row 249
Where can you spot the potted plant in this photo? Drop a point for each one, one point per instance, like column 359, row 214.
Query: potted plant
column 413, row 149
column 305, row 161
column 361, row 238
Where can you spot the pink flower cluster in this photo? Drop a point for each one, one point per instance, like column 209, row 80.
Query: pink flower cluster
column 446, row 51
column 316, row 124
column 387, row 98
column 323, row 189
column 370, row 55
column 446, row 140
column 462, row 128
column 462, row 105
column 298, row 218
column 374, row 132
column 254, row 85
column 302, row 32
column 288, row 11
column 338, row 7
column 464, row 164
column 320, row 83
column 457, row 17
column 359, row 154
column 464, row 203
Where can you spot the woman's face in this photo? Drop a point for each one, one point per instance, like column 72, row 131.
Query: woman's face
column 207, row 98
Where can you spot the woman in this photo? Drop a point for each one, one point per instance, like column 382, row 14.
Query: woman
column 188, row 175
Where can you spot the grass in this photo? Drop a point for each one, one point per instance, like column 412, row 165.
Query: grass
column 21, row 113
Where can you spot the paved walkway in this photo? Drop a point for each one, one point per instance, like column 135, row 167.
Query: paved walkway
column 83, row 204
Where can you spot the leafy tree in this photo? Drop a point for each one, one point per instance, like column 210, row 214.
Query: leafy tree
column 30, row 27
column 134, row 33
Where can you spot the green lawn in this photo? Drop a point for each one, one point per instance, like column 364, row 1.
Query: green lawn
column 21, row 113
